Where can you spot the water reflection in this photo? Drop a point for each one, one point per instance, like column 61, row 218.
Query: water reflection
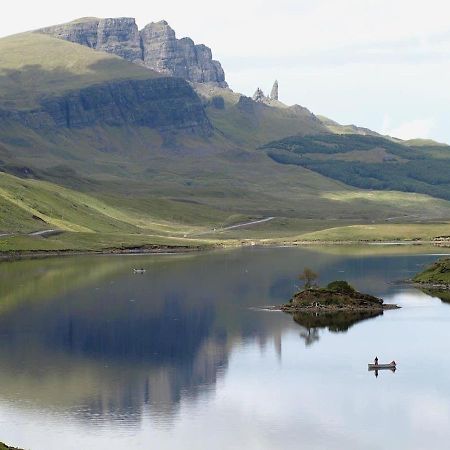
column 87, row 338
column 336, row 322
column 442, row 294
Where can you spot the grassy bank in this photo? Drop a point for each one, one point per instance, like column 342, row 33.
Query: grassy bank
column 436, row 274
column 98, row 242
column 394, row 232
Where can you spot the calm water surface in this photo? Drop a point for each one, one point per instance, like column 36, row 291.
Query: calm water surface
column 95, row 357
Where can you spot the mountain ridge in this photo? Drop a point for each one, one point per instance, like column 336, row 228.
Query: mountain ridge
column 158, row 145
column 154, row 47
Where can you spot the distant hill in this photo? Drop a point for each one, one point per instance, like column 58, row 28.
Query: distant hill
column 369, row 162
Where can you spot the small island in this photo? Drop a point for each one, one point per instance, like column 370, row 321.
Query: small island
column 338, row 296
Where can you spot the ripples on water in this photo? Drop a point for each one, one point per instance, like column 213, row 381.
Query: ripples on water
column 94, row 356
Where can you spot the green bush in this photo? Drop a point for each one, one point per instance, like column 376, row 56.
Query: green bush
column 340, row 286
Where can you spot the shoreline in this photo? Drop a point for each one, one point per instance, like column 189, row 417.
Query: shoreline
column 163, row 250
column 31, row 254
column 431, row 286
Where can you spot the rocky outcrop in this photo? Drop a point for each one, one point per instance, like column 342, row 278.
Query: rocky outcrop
column 162, row 103
column 165, row 53
column 271, row 100
column 259, row 96
column 155, row 47
column 121, row 37
column 83, row 31
column 274, row 92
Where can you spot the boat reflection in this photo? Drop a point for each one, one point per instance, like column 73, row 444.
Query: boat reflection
column 376, row 371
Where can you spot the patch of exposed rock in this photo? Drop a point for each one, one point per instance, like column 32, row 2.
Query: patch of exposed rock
column 155, row 47
column 163, row 103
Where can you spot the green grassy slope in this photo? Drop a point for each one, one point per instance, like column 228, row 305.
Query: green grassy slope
column 247, row 123
column 86, row 222
column 378, row 232
column 33, row 65
column 437, row 273
column 125, row 184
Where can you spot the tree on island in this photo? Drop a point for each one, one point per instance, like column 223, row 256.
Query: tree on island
column 308, row 277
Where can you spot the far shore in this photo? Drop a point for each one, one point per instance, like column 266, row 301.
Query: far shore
column 151, row 250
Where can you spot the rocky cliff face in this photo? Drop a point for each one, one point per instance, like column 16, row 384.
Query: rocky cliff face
column 121, row 37
column 82, row 32
column 165, row 53
column 155, row 47
column 163, row 103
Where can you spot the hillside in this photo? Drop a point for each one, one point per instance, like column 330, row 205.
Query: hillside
column 245, row 122
column 38, row 215
column 438, row 274
column 140, row 153
column 369, row 162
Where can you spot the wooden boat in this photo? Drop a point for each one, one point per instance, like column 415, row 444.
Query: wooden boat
column 139, row 270
column 390, row 366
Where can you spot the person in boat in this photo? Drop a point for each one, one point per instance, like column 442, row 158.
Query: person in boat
column 376, row 360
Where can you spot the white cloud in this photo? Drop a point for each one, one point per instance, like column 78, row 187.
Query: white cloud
column 417, row 128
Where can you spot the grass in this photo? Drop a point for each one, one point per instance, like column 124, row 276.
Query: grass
column 87, row 242
column 257, row 124
column 437, row 273
column 98, row 182
column 34, row 65
column 379, row 232
column 31, row 205
column 369, row 162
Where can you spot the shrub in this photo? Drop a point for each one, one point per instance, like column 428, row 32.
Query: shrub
column 340, row 286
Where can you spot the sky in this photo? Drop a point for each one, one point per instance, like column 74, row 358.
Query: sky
column 381, row 64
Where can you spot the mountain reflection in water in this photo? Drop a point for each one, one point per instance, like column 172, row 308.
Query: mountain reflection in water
column 87, row 338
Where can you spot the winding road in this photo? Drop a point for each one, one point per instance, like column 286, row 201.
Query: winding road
column 232, row 227
column 43, row 233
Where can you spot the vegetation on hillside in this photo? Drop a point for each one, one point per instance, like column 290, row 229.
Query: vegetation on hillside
column 128, row 183
column 369, row 162
column 437, row 274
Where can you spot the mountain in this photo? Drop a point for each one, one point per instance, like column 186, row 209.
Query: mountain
column 82, row 112
column 51, row 84
column 155, row 46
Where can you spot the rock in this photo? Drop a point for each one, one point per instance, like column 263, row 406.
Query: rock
column 82, row 31
column 155, row 47
column 163, row 103
column 274, row 92
column 259, row 96
column 121, row 37
column 165, row 53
